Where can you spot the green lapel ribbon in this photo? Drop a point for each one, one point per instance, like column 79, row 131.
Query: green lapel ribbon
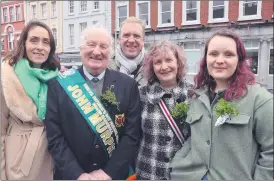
column 34, row 82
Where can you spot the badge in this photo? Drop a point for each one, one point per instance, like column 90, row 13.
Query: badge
column 119, row 120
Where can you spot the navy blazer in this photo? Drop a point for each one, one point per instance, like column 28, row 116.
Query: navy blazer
column 73, row 145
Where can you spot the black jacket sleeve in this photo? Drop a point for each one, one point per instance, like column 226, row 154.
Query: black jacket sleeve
column 64, row 158
column 123, row 156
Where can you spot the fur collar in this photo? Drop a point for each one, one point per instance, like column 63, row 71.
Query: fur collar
column 19, row 104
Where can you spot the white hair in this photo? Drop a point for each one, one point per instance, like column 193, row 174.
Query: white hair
column 97, row 27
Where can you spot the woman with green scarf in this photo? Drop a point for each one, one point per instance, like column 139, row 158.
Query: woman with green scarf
column 24, row 75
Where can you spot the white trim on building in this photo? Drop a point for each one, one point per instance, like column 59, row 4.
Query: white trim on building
column 243, row 17
column 160, row 13
column 118, row 5
column 211, row 8
column 185, row 10
column 138, row 15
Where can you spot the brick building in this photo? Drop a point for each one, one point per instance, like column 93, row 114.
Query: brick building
column 190, row 23
column 12, row 23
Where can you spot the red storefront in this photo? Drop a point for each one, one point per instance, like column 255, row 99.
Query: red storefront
column 12, row 23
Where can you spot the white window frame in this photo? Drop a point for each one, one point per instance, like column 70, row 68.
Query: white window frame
column 197, row 21
column 94, row 22
column 218, row 20
column 2, row 44
column 250, row 17
column 71, row 6
column 270, row 47
column 81, row 29
column 119, row 4
column 193, row 50
column 71, row 35
column 18, row 15
column 33, row 13
column 6, row 20
column 160, row 24
column 93, row 6
column 252, row 48
column 12, row 14
column 148, row 12
column 54, row 33
column 53, row 9
column 10, row 40
column 43, row 11
column 82, row 6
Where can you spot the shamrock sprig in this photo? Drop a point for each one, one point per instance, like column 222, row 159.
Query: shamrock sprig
column 225, row 108
column 180, row 111
column 110, row 97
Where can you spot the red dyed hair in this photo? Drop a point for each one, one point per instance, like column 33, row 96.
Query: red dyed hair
column 160, row 47
column 237, row 83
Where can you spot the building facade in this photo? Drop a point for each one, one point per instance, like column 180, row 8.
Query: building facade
column 49, row 12
column 12, row 23
column 191, row 23
column 77, row 16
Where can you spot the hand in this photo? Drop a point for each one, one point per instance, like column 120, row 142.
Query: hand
column 99, row 175
column 84, row 176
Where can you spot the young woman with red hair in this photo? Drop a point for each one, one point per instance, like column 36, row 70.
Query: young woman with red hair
column 231, row 118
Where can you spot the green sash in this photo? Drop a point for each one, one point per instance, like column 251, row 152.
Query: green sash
column 91, row 108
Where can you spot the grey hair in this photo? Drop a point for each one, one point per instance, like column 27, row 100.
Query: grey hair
column 97, row 27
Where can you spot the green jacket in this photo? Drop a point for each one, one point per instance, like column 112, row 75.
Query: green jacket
column 241, row 148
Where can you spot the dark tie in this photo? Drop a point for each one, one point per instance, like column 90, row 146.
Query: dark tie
column 95, row 80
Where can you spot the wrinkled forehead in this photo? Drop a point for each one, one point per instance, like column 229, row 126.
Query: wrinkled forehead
column 97, row 36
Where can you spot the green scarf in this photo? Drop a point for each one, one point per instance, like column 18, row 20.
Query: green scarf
column 34, row 82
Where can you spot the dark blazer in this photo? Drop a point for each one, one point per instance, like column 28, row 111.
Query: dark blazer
column 72, row 143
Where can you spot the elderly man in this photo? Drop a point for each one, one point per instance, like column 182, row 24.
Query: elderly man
column 130, row 50
column 93, row 116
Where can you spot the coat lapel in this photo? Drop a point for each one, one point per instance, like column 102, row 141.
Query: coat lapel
column 109, row 80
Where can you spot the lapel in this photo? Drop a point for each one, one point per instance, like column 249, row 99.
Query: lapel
column 204, row 98
column 109, row 80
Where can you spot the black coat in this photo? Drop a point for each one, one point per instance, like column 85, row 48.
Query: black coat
column 72, row 143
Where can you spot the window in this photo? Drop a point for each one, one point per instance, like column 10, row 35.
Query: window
column 218, row 11
column 12, row 14
column 71, row 7
column 10, row 41
column 71, row 34
column 54, row 33
column 96, row 5
column 53, row 9
column 82, row 27
column 249, row 10
column 143, row 9
column 165, row 13
column 122, row 14
column 18, row 11
column 44, row 10
column 191, row 12
column 252, row 53
column 271, row 59
column 2, row 44
column 94, row 22
column 33, row 10
column 5, row 15
column 83, row 6
column 192, row 52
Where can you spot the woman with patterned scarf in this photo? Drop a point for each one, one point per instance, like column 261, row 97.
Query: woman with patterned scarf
column 24, row 76
column 164, row 68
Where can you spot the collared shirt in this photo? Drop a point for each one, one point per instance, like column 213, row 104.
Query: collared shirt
column 90, row 77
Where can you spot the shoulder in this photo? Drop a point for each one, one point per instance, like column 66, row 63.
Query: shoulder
column 258, row 94
column 121, row 77
column 143, row 92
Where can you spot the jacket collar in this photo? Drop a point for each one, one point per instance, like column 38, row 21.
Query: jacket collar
column 15, row 96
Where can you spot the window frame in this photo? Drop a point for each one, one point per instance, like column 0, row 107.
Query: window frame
column 12, row 41
column 193, row 50
column 198, row 20
column 81, row 6
column 20, row 10
column 218, row 20
column 42, row 15
column 148, row 12
column 12, row 13
column 93, row 6
column 252, row 49
column 71, row 36
column 5, row 20
column 71, row 6
column 33, row 12
column 53, row 9
column 160, row 24
column 241, row 16
column 270, row 47
column 117, row 25
column 80, row 27
column 55, row 37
